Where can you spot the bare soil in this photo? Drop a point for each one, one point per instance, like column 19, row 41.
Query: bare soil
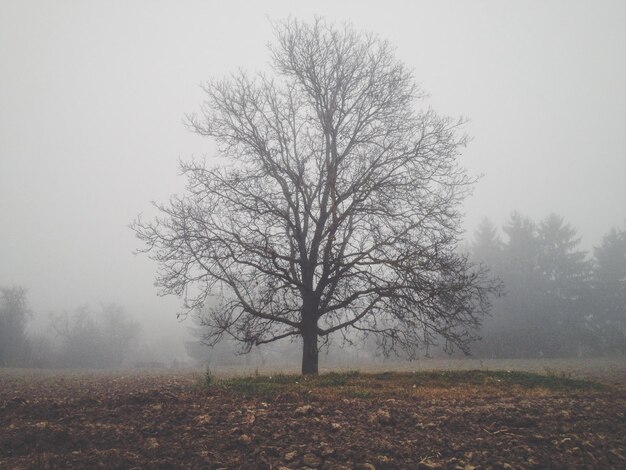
column 383, row 421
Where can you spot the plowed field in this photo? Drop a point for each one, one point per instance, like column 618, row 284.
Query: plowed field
column 464, row 420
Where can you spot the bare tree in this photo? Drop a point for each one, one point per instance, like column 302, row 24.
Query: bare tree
column 14, row 312
column 336, row 205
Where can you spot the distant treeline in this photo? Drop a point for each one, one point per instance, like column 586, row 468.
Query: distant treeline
column 558, row 300
column 84, row 338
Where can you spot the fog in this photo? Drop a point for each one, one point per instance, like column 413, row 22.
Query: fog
column 93, row 97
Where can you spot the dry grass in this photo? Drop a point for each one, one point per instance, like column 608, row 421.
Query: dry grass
column 610, row 370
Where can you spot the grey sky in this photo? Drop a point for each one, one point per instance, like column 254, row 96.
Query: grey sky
column 92, row 96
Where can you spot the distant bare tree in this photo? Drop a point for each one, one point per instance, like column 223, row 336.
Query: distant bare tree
column 94, row 339
column 336, row 205
column 14, row 313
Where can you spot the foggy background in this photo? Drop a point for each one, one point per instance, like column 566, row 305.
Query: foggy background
column 93, row 95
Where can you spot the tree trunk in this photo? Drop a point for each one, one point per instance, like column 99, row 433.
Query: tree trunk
column 310, row 356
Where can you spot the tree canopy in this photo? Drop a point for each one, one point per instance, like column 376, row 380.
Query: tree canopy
column 335, row 207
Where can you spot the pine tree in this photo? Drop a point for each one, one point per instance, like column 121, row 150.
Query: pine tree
column 487, row 245
column 565, row 275
column 562, row 266
column 609, row 282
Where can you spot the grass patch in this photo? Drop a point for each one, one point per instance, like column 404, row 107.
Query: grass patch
column 354, row 384
column 503, row 378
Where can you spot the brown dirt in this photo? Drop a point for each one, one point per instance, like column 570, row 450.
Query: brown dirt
column 169, row 421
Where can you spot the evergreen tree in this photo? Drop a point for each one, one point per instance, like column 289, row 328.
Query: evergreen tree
column 487, row 245
column 562, row 266
column 522, row 249
column 609, row 282
column 565, row 274
column 520, row 333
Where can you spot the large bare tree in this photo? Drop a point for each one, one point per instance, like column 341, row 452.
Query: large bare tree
column 335, row 206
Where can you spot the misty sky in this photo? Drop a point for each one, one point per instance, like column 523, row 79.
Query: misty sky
column 93, row 96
